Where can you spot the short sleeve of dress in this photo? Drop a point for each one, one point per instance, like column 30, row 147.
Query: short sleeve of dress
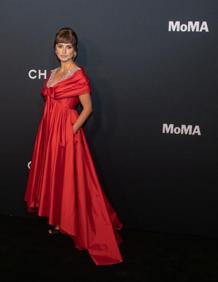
column 84, row 82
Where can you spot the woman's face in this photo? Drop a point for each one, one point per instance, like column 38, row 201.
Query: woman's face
column 65, row 51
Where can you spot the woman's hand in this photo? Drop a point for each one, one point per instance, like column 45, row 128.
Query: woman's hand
column 74, row 129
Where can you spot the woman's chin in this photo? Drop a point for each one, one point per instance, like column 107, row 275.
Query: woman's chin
column 64, row 59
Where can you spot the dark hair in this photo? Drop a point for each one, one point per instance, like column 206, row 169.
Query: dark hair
column 66, row 35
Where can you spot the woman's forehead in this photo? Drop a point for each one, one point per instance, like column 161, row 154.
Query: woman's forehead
column 64, row 43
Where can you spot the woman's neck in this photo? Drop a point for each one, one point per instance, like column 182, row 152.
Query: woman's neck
column 66, row 66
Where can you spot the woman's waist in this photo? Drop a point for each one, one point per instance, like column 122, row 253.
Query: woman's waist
column 60, row 105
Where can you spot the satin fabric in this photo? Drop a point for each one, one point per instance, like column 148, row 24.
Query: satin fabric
column 62, row 182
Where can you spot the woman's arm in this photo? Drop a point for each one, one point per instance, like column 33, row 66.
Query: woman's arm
column 85, row 100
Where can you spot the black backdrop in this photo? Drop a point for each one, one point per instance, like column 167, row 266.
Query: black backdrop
column 143, row 75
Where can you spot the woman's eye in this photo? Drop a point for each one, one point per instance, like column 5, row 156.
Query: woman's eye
column 61, row 46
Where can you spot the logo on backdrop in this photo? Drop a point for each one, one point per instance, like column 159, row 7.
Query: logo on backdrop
column 190, row 26
column 183, row 129
column 29, row 164
column 37, row 74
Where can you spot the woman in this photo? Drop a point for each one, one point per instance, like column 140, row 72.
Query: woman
column 62, row 183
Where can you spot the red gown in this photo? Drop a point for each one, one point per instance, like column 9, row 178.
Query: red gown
column 62, row 182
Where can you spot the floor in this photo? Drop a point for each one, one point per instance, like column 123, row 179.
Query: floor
column 28, row 253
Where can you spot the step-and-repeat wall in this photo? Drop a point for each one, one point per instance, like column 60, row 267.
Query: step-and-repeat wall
column 153, row 134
